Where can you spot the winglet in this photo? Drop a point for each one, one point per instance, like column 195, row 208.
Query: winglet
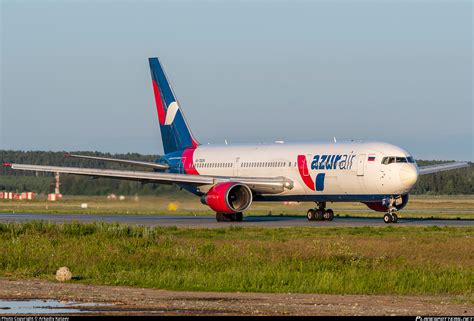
column 67, row 154
column 7, row 164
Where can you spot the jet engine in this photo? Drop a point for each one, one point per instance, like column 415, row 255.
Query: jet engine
column 228, row 198
column 383, row 205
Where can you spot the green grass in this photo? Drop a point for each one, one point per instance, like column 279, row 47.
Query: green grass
column 365, row 260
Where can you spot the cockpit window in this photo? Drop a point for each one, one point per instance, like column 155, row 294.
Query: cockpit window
column 393, row 159
column 388, row 160
column 410, row 159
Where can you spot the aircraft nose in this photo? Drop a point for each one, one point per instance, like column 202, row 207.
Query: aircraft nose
column 408, row 176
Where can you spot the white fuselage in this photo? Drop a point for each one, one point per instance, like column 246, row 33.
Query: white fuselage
column 348, row 168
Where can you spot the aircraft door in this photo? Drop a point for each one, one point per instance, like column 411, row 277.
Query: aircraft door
column 236, row 166
column 308, row 162
column 361, row 164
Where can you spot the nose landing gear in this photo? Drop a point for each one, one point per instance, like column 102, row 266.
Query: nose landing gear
column 391, row 216
column 320, row 213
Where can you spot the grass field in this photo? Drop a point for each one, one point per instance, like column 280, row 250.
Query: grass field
column 388, row 260
column 186, row 204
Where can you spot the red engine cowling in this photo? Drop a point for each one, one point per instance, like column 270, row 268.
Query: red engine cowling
column 228, row 198
column 383, row 206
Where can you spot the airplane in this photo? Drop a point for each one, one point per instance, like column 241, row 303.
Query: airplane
column 229, row 178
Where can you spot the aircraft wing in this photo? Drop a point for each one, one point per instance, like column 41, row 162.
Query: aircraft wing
column 267, row 185
column 441, row 167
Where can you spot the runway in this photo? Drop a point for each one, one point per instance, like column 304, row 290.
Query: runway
column 210, row 222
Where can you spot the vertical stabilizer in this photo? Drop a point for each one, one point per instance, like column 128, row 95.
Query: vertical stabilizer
column 175, row 132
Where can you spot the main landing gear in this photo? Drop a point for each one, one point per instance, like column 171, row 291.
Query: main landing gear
column 222, row 217
column 320, row 213
column 391, row 216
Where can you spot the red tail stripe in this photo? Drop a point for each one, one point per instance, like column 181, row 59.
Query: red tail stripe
column 159, row 103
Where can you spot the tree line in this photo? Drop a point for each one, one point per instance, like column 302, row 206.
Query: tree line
column 460, row 181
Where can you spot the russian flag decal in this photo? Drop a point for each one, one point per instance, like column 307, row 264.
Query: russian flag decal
column 371, row 158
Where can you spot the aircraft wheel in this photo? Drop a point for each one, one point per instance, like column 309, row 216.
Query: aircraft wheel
column 229, row 217
column 328, row 215
column 311, row 215
column 387, row 218
column 319, row 215
column 394, row 218
column 238, row 217
column 222, row 217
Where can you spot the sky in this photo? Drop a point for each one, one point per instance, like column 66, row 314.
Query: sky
column 75, row 75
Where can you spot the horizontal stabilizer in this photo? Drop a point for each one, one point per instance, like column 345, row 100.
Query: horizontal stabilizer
column 122, row 161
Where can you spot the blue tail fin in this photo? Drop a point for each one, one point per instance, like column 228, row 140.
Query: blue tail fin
column 175, row 132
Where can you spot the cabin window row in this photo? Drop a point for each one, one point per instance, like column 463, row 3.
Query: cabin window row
column 265, row 164
column 212, row 165
column 243, row 164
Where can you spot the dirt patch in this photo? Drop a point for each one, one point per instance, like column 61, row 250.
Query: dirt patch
column 140, row 301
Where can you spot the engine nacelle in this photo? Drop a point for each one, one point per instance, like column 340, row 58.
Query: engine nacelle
column 383, row 206
column 228, row 198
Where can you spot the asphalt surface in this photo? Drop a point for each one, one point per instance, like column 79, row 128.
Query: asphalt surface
column 210, row 221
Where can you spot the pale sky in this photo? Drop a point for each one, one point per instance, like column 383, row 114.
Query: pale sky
column 74, row 74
